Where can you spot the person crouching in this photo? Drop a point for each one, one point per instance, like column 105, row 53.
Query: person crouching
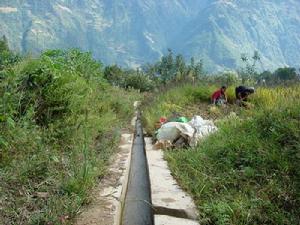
column 242, row 93
column 219, row 97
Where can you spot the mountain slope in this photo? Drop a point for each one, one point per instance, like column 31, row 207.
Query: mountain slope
column 133, row 32
column 225, row 29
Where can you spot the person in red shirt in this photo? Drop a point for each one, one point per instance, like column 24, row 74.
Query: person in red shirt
column 219, row 96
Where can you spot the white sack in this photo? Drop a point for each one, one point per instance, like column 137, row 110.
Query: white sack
column 173, row 130
column 193, row 131
column 202, row 129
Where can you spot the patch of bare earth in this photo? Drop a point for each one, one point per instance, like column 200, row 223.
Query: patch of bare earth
column 106, row 204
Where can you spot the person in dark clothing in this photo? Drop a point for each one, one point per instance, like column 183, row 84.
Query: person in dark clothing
column 242, row 93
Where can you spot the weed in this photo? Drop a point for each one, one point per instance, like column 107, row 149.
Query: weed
column 60, row 123
column 247, row 172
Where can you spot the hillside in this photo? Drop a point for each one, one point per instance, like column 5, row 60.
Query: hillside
column 134, row 32
column 248, row 171
column 225, row 29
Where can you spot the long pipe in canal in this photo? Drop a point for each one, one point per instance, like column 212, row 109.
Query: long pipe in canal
column 138, row 206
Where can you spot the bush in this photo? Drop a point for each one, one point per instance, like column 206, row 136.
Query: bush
column 128, row 79
column 139, row 82
column 60, row 123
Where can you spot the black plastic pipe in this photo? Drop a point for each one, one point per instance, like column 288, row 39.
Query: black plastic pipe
column 138, row 205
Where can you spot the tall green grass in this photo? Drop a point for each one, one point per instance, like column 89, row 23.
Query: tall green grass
column 173, row 100
column 178, row 99
column 60, row 124
column 247, row 172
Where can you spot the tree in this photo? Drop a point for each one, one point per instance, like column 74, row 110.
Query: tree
column 138, row 80
column 114, row 75
column 286, row 73
column 199, row 69
column 256, row 58
column 244, row 57
column 265, row 77
column 4, row 44
column 230, row 78
column 7, row 57
column 171, row 68
column 248, row 73
column 166, row 67
column 180, row 64
column 192, row 63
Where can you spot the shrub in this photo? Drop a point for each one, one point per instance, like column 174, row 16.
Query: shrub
column 60, row 123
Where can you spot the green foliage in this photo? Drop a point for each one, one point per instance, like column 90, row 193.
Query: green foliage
column 286, row 73
column 54, row 86
column 138, row 81
column 248, row 172
column 174, row 69
column 4, row 44
column 7, row 57
column 265, row 76
column 249, row 72
column 114, row 75
column 171, row 70
column 174, row 100
column 60, row 122
column 227, row 78
column 128, row 78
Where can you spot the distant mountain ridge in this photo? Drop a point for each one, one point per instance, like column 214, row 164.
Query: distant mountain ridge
column 134, row 32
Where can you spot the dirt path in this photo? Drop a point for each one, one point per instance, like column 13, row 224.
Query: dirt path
column 108, row 197
column 106, row 205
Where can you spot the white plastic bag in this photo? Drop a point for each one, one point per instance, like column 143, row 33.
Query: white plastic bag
column 192, row 131
column 202, row 129
column 173, row 130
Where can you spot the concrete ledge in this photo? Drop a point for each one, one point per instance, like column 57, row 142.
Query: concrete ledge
column 168, row 220
column 167, row 197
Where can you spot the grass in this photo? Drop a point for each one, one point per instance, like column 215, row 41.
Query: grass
column 185, row 100
column 60, row 123
column 248, row 172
